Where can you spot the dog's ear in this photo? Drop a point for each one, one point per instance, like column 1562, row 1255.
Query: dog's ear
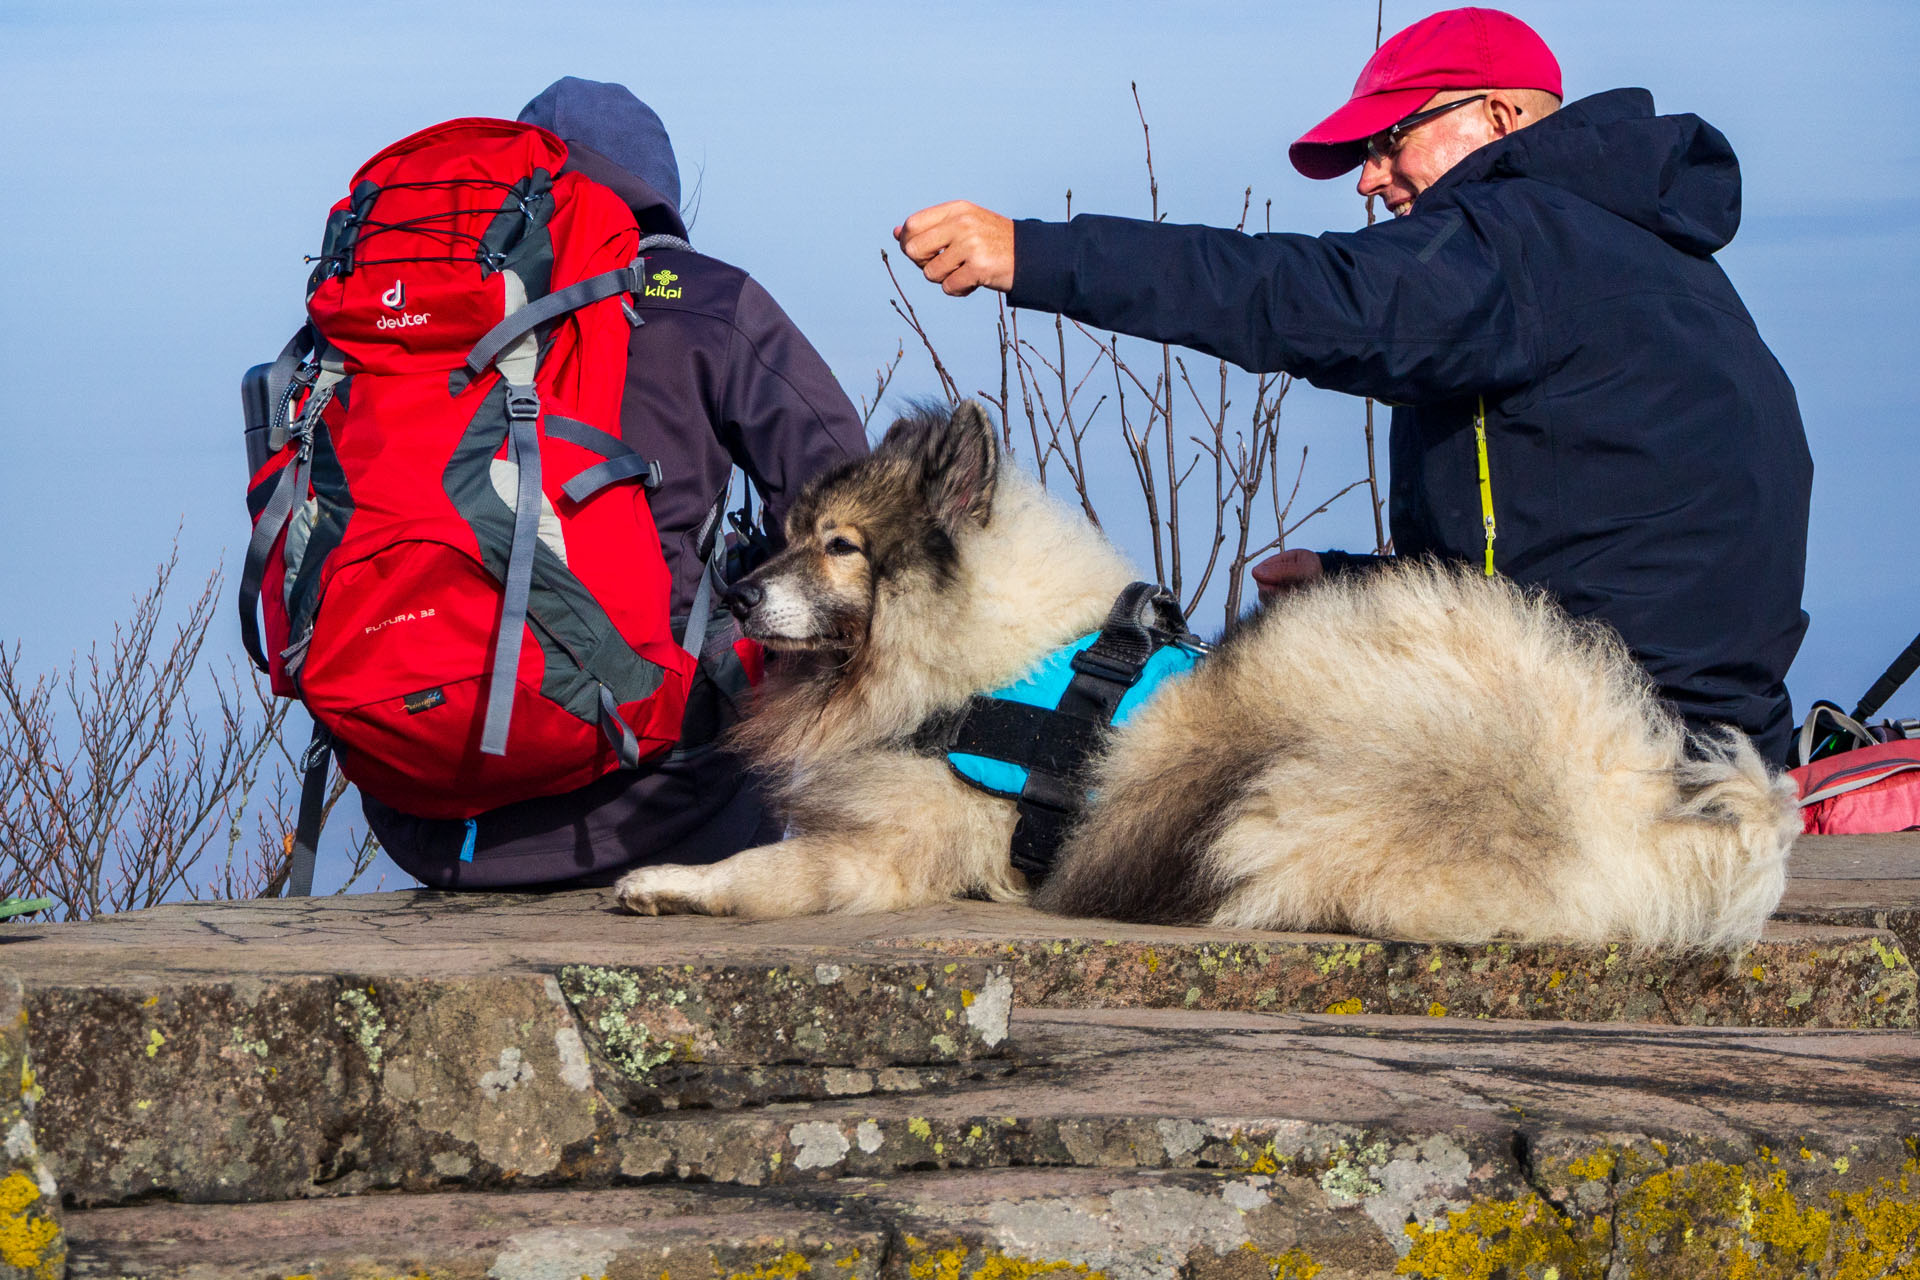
column 960, row 463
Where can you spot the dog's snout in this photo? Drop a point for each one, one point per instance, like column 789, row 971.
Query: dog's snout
column 741, row 597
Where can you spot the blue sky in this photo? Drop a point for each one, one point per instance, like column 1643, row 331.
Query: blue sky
column 174, row 161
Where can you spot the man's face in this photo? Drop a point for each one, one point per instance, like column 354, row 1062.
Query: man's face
column 1426, row 152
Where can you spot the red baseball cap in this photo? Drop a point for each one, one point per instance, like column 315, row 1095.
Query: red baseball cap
column 1454, row 49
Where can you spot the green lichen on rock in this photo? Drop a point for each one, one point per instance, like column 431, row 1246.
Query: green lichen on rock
column 361, row 1019
column 1348, row 1178
column 1861, row 979
column 614, row 995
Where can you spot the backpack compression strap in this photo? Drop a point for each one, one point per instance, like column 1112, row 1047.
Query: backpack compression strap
column 314, row 764
column 628, row 279
column 509, row 344
column 291, row 374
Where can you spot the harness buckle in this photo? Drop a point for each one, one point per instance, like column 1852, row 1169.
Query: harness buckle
column 1093, row 663
column 523, row 403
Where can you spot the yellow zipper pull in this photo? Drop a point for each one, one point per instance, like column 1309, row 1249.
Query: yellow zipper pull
column 1486, row 478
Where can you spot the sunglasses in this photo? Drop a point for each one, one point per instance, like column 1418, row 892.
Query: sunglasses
column 1386, row 144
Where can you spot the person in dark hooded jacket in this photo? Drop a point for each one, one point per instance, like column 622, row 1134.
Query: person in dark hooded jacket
column 717, row 377
column 1582, row 402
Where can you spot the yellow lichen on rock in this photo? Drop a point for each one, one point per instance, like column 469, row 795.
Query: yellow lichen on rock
column 1729, row 1221
column 29, row 1241
column 1294, row 1264
column 1522, row 1236
column 785, row 1267
column 961, row 1263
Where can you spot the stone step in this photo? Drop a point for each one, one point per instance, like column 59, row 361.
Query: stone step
column 1164, row 1089
column 426, row 1042
column 1797, row 975
column 1145, row 1089
column 1870, row 882
column 1624, row 1206
column 635, row 1234
column 907, row 1008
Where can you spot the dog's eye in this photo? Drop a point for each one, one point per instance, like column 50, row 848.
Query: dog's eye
column 842, row 547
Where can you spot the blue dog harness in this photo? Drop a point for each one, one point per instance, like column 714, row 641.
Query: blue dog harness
column 1031, row 741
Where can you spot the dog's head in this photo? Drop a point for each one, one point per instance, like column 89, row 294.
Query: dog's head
column 885, row 524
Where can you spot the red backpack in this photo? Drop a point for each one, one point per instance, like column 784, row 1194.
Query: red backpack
column 452, row 550
column 1857, row 778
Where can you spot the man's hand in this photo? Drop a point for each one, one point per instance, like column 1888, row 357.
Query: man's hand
column 960, row 246
column 1286, row 571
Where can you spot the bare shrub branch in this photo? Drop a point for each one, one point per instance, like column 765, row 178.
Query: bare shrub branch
column 120, row 789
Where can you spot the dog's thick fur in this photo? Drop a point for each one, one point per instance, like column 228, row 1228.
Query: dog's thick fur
column 1420, row 753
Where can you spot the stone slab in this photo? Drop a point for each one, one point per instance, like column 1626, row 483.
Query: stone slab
column 1142, row 1089
column 1619, row 1208
column 618, row 1235
column 1800, row 974
column 1155, row 1089
column 424, row 1042
column 1857, row 882
column 1892, row 859
column 292, row 1086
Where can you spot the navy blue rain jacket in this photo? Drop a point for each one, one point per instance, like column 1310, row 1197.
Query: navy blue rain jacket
column 1648, row 463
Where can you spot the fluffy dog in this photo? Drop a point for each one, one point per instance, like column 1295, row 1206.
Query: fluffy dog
column 1422, row 753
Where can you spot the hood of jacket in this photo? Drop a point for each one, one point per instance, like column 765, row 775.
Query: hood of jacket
column 1676, row 175
column 619, row 142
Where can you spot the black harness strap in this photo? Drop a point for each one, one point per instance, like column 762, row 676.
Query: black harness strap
column 1032, row 737
column 1055, row 744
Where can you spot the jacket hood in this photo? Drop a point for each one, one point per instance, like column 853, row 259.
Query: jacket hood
column 1676, row 175
column 618, row 141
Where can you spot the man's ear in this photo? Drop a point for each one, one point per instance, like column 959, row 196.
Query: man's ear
column 960, row 464
column 1504, row 114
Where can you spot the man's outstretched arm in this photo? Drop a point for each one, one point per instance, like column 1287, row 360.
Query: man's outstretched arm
column 1408, row 311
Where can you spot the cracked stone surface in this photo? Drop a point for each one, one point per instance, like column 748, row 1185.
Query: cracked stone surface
column 958, row 1091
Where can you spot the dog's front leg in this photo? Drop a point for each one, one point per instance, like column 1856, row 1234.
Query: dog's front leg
column 792, row 878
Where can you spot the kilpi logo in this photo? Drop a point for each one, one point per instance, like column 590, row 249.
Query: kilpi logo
column 396, row 297
column 661, row 279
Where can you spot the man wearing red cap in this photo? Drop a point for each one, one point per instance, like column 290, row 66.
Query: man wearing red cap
column 1582, row 401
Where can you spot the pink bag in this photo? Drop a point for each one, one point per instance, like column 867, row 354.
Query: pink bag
column 1863, row 791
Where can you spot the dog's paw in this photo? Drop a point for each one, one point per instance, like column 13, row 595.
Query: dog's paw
column 662, row 891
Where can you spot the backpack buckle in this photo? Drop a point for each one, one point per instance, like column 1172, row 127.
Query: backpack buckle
column 523, row 403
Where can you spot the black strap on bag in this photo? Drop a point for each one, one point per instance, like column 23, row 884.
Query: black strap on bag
column 315, row 765
column 1897, row 673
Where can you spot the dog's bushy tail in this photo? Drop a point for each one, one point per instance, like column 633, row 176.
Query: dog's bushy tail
column 1728, row 835
column 1426, row 754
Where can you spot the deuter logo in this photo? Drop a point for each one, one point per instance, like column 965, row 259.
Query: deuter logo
column 396, row 298
column 659, row 289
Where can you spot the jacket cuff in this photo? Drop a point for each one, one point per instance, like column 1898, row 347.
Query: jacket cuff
column 1042, row 265
column 1337, row 564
